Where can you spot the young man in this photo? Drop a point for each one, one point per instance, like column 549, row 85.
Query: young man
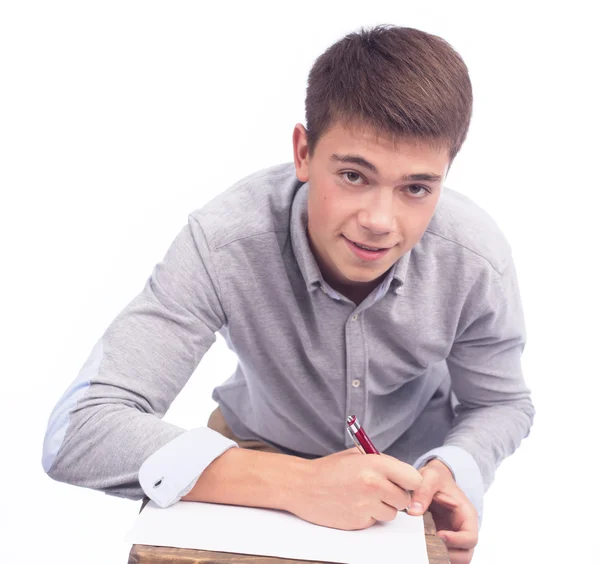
column 350, row 282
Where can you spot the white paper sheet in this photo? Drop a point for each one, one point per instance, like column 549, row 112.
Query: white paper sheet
column 268, row 532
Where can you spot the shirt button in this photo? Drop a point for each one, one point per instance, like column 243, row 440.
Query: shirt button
column 356, row 383
column 354, row 317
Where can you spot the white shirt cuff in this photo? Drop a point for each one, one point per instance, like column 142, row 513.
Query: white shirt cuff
column 464, row 469
column 172, row 471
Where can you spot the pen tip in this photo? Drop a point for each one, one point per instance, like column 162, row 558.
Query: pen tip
column 351, row 419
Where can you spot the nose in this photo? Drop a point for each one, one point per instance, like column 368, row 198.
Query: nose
column 377, row 214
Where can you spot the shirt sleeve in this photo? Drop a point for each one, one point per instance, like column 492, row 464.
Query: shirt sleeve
column 165, row 482
column 108, row 424
column 495, row 411
column 464, row 469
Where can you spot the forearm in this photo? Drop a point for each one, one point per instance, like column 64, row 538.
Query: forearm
column 344, row 490
column 250, row 478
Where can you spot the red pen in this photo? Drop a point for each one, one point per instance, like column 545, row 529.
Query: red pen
column 360, row 438
column 362, row 441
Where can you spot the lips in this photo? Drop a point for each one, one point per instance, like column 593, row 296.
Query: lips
column 367, row 248
column 366, row 252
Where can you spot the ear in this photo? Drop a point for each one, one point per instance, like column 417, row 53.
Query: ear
column 300, row 141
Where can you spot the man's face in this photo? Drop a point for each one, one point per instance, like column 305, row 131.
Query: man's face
column 366, row 191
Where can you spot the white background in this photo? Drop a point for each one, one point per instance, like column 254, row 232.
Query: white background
column 119, row 118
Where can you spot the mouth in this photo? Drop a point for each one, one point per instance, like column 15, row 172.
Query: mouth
column 366, row 252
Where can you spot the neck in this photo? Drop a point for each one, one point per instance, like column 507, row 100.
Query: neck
column 355, row 292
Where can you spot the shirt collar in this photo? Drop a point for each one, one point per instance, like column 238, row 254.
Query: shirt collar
column 299, row 223
column 306, row 260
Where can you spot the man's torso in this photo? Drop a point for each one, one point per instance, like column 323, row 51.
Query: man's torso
column 308, row 357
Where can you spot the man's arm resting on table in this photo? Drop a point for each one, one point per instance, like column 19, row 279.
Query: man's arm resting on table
column 494, row 411
column 109, row 420
column 345, row 490
column 493, row 415
column 209, row 467
column 249, row 478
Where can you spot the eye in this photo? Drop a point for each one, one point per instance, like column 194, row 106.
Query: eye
column 352, row 177
column 418, row 191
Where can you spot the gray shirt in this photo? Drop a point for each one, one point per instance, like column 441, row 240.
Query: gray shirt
column 429, row 361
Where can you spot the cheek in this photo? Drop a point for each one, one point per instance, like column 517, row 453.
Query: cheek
column 328, row 215
column 328, row 211
column 414, row 222
column 320, row 216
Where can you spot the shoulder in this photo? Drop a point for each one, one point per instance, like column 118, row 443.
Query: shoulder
column 460, row 225
column 256, row 205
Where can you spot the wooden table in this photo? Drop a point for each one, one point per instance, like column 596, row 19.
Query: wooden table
column 142, row 554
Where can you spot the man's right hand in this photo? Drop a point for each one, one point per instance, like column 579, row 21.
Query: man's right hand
column 349, row 490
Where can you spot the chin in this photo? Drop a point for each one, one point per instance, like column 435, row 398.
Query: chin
column 357, row 278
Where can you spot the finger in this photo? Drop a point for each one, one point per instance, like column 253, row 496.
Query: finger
column 459, row 556
column 464, row 539
column 395, row 496
column 422, row 496
column 385, row 512
column 466, row 522
column 446, row 500
column 402, row 474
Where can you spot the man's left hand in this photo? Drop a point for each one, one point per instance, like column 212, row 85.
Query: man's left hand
column 454, row 515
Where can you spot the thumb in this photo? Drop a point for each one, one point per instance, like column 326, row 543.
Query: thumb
column 422, row 496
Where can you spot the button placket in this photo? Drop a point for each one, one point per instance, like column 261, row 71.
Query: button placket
column 354, row 374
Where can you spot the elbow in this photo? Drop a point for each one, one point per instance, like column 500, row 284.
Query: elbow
column 60, row 418
column 52, row 450
column 529, row 411
column 55, row 448
column 48, row 456
column 522, row 413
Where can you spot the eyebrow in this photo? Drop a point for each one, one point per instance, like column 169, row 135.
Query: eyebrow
column 361, row 161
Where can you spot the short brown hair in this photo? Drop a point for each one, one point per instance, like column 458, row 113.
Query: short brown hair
column 400, row 81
